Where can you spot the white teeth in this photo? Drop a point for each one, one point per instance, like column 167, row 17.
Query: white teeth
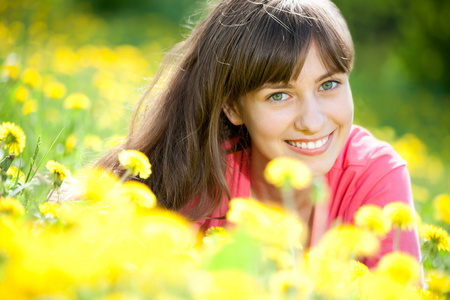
column 309, row 145
column 319, row 144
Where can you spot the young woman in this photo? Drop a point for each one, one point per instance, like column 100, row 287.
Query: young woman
column 254, row 81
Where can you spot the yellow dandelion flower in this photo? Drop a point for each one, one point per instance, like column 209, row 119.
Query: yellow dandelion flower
column 12, row 137
column 438, row 281
column 348, row 241
column 21, row 94
column 77, row 101
column 401, row 215
column 54, row 90
column 93, row 142
column 288, row 285
column 71, row 142
column 59, row 171
column 29, row 107
column 381, row 287
column 357, row 270
column 288, row 172
column 400, row 267
column 272, row 225
column 94, row 183
column 371, row 217
column 427, row 295
column 217, row 236
column 136, row 163
column 436, row 235
column 442, row 207
column 12, row 171
column 31, row 77
column 137, row 193
column 11, row 71
column 11, row 206
column 65, row 61
column 49, row 208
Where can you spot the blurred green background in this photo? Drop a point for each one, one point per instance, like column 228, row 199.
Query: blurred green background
column 108, row 50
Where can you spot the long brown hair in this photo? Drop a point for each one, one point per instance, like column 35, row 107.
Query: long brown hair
column 241, row 45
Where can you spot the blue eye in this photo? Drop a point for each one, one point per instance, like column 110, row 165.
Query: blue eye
column 279, row 97
column 328, row 85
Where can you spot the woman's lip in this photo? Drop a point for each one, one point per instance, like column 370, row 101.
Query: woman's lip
column 315, row 151
column 311, row 140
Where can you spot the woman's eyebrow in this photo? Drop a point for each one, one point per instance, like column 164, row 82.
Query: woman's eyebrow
column 281, row 85
column 274, row 86
column 326, row 75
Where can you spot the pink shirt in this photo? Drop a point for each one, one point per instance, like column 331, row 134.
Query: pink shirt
column 367, row 171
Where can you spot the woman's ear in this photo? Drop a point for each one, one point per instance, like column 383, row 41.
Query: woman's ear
column 232, row 115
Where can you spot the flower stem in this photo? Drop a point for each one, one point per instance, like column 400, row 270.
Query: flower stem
column 124, row 176
column 287, row 194
column 397, row 238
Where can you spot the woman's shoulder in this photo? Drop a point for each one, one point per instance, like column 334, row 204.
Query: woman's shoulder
column 363, row 150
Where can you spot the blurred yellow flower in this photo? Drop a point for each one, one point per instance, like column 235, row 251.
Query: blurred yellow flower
column 272, row 225
column 29, row 107
column 348, row 241
column 371, row 217
column 11, row 206
column 427, row 295
column 31, row 77
column 400, row 215
column 330, row 274
column 95, row 183
column 59, row 171
column 49, row 208
column 288, row 172
column 400, row 267
column 438, row 281
column 65, row 61
column 54, row 90
column 137, row 193
column 358, row 270
column 71, row 142
column 12, row 137
column 11, row 71
column 442, row 207
column 21, row 94
column 77, row 101
column 136, row 163
column 12, row 171
column 289, row 285
column 217, row 236
column 414, row 151
column 93, row 142
column 436, row 235
column 225, row 285
column 380, row 287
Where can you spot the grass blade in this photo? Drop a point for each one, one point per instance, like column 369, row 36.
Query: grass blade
column 33, row 159
column 46, row 154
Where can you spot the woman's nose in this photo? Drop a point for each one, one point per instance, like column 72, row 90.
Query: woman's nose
column 310, row 116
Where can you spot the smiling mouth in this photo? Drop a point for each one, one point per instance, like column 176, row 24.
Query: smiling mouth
column 309, row 145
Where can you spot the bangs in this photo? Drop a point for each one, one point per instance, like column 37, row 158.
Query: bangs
column 272, row 46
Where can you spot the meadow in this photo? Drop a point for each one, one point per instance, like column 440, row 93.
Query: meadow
column 69, row 80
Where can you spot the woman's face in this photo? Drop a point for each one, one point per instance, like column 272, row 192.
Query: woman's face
column 308, row 119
